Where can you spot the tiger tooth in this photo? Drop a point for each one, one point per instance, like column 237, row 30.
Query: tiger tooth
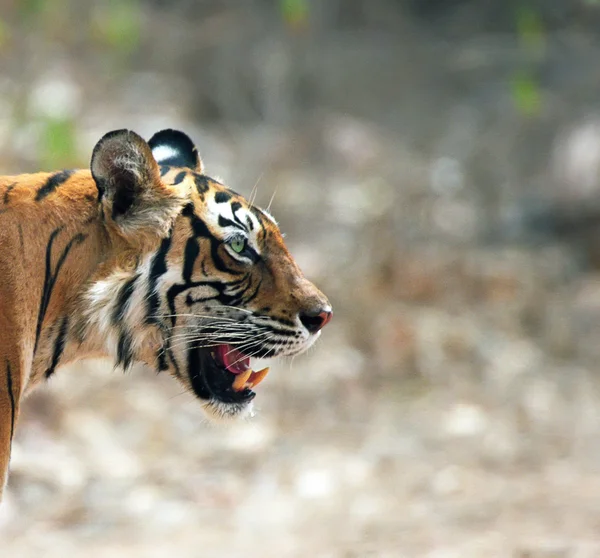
column 258, row 377
column 240, row 380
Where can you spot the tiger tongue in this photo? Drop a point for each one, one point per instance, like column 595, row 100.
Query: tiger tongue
column 235, row 361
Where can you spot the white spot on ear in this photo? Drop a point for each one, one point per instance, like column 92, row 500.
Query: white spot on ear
column 163, row 153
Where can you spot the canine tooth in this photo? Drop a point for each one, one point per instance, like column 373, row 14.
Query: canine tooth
column 240, row 380
column 258, row 377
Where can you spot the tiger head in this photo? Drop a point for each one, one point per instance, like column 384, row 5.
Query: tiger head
column 203, row 280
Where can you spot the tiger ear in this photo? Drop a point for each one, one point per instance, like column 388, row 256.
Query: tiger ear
column 175, row 149
column 129, row 185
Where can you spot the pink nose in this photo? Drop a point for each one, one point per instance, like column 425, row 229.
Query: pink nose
column 315, row 321
column 326, row 316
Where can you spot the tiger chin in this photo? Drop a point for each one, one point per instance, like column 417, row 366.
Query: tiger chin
column 145, row 258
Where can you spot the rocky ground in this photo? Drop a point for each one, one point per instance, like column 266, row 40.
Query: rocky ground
column 452, row 409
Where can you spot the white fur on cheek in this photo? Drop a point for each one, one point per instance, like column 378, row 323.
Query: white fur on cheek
column 98, row 311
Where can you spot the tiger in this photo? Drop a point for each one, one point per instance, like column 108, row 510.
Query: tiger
column 144, row 258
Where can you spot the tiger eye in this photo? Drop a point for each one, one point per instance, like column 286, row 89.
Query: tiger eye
column 238, row 245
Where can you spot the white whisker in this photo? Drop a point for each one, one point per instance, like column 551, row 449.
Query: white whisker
column 273, row 196
column 255, row 189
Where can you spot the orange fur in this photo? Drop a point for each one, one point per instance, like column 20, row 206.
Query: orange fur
column 72, row 245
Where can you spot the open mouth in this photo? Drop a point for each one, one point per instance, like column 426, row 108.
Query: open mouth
column 223, row 373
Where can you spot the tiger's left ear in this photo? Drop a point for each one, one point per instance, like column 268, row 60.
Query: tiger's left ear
column 130, row 189
column 175, row 149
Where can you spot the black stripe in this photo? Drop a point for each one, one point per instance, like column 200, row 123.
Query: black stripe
column 282, row 332
column 196, row 377
column 258, row 214
column 21, row 242
column 222, row 197
column 235, row 206
column 192, row 249
column 161, row 360
column 238, row 287
column 173, row 291
column 201, row 230
column 59, row 346
column 198, row 226
column 224, row 222
column 158, row 267
column 50, row 277
column 123, row 297
column 253, row 295
column 124, row 350
column 218, row 261
column 8, row 191
column 101, row 184
column 222, row 297
column 164, row 169
column 179, row 178
column 9, row 388
column 201, row 183
column 52, row 183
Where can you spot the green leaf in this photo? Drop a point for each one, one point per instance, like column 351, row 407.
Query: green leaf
column 530, row 30
column 294, row 12
column 58, row 143
column 29, row 9
column 119, row 25
column 526, row 94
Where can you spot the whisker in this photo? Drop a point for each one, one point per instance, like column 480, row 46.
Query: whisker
column 235, row 308
column 215, row 331
column 206, row 345
column 243, row 347
column 255, row 189
column 215, row 335
column 212, row 338
column 249, row 345
column 273, row 196
column 209, row 316
column 212, row 342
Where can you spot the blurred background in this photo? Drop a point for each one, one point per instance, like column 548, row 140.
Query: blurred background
column 437, row 168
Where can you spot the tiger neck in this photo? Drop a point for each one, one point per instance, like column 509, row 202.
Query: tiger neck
column 60, row 238
column 119, row 314
column 86, row 309
column 107, row 321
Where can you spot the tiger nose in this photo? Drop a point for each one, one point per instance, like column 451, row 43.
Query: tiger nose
column 316, row 320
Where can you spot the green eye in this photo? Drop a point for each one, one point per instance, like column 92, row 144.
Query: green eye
column 238, row 245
